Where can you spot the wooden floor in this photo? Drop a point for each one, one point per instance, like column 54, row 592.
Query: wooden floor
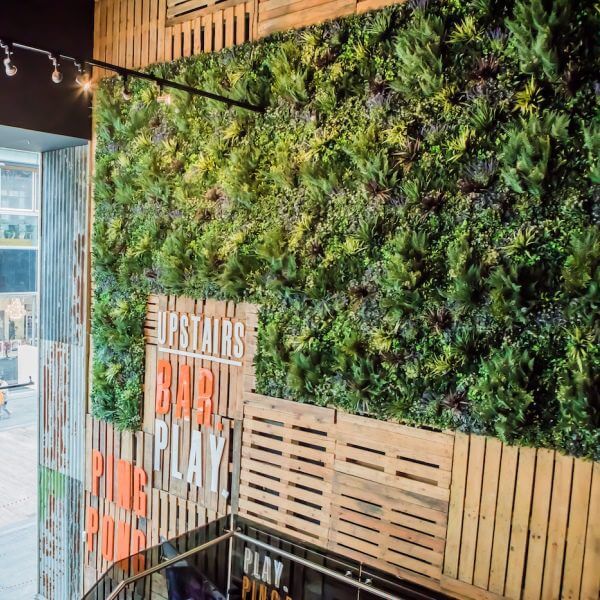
column 18, row 464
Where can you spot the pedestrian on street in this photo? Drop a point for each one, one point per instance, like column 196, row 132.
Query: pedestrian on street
column 4, row 412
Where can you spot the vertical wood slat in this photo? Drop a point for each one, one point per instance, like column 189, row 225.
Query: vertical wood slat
column 590, row 577
column 557, row 526
column 538, row 528
column 520, row 522
column 508, row 470
column 471, row 511
column 487, row 512
column 457, row 498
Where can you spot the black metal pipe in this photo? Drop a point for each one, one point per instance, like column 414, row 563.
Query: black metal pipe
column 124, row 71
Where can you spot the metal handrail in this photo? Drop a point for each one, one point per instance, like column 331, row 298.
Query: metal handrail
column 237, row 534
column 16, row 385
column 168, row 563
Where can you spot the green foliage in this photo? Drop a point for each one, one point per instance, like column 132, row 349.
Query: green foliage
column 416, row 212
column 529, row 148
column 537, row 33
column 502, row 395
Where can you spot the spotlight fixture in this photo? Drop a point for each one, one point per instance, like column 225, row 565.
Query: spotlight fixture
column 84, row 78
column 126, row 91
column 9, row 67
column 57, row 75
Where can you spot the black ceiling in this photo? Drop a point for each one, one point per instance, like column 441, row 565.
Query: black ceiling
column 30, row 100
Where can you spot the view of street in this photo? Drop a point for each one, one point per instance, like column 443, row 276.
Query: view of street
column 18, row 473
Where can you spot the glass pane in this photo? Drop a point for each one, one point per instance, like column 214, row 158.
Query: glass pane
column 17, row 188
column 18, row 270
column 18, row 230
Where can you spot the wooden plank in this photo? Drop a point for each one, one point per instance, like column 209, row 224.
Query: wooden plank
column 508, row 471
column 457, row 499
column 309, row 16
column 538, row 528
column 487, row 512
column 557, row 527
column 576, row 530
column 590, row 578
column 520, row 523
column 471, row 511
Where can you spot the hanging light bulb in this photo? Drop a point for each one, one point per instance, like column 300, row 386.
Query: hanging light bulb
column 57, row 75
column 126, row 91
column 9, row 67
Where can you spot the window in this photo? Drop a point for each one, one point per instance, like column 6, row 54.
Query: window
column 17, row 187
column 18, row 231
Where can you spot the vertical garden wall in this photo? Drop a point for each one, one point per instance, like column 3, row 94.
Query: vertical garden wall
column 417, row 212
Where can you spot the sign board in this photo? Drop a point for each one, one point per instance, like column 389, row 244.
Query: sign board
column 146, row 485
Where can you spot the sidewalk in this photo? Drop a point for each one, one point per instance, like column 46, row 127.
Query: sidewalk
column 18, row 502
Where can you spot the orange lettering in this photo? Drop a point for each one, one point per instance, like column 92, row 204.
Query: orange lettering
column 184, row 402
column 138, row 561
column 275, row 595
column 163, row 385
column 124, row 484
column 206, row 382
column 91, row 527
column 139, row 496
column 108, row 538
column 110, row 476
column 246, row 585
column 97, row 470
column 123, row 538
column 262, row 592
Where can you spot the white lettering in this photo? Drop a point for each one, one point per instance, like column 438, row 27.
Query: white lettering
column 226, row 338
column 161, row 438
column 238, row 334
column 194, row 470
column 278, row 572
column 184, row 338
column 206, row 337
column 216, row 454
column 162, row 327
column 175, row 472
column 173, row 323
column 195, row 322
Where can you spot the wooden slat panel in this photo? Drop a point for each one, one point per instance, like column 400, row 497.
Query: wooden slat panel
column 287, row 460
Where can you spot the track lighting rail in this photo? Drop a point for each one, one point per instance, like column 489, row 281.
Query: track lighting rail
column 8, row 46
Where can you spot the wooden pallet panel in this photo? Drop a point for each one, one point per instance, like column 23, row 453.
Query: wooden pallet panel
column 287, row 456
column 390, row 496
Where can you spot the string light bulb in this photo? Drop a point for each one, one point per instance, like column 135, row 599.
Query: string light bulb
column 57, row 75
column 9, row 66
